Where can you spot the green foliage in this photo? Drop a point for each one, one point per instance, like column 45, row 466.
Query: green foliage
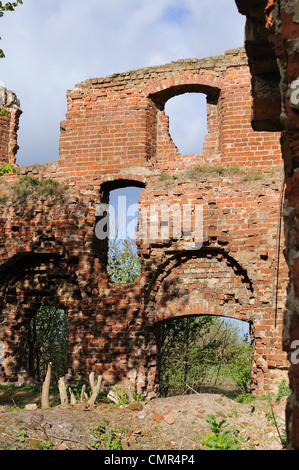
column 184, row 353
column 240, row 366
column 137, row 397
column 283, row 391
column 48, row 334
column 8, row 6
column 47, row 445
column 197, row 351
column 123, row 262
column 253, row 175
column 220, row 438
column 4, row 112
column 245, row 398
column 200, row 171
column 7, row 168
column 105, row 437
column 77, row 387
column 122, row 396
column 3, row 198
column 22, row 436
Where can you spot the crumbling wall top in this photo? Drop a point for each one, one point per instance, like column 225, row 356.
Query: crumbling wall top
column 216, row 64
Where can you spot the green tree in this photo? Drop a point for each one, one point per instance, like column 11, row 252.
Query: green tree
column 123, row 262
column 48, row 335
column 198, row 351
column 8, row 6
column 241, row 364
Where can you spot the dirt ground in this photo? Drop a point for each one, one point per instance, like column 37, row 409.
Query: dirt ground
column 172, row 423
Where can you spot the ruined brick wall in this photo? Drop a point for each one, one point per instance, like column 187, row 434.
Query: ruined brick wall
column 116, row 134
column 122, row 117
column 272, row 40
column 9, row 123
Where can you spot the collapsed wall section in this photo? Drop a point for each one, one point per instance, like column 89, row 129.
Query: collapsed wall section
column 118, row 122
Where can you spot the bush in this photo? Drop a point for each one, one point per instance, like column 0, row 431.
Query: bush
column 240, row 367
column 7, row 168
column 283, row 391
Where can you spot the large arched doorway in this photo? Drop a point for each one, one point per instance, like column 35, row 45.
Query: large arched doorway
column 39, row 310
column 47, row 342
column 208, row 284
column 199, row 354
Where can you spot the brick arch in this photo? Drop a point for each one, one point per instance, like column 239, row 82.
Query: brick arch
column 110, row 183
column 228, row 290
column 159, row 92
column 34, row 280
column 164, row 89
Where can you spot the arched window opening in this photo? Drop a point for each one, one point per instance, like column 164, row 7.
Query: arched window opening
column 188, row 122
column 115, row 231
column 47, row 341
column 207, row 354
column 123, row 264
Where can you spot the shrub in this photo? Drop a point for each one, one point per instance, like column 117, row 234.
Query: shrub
column 105, row 437
column 7, row 168
column 220, row 438
column 283, row 391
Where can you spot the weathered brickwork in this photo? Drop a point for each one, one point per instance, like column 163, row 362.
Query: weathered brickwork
column 116, row 134
column 272, row 44
column 9, row 123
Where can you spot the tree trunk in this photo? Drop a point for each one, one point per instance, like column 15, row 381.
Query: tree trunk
column 63, row 392
column 95, row 388
column 46, row 389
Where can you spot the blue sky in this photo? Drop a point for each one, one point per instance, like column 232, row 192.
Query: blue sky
column 51, row 45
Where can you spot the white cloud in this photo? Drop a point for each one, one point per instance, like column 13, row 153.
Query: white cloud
column 54, row 44
column 188, row 122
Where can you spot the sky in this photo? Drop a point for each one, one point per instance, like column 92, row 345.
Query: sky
column 51, row 45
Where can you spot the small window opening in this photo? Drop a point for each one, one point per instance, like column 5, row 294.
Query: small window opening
column 123, row 264
column 188, row 122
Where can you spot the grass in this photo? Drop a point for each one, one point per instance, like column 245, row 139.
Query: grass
column 3, row 198
column 28, row 186
column 18, row 397
column 199, row 172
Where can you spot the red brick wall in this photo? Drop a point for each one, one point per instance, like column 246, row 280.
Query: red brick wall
column 4, row 138
column 116, row 132
column 118, row 122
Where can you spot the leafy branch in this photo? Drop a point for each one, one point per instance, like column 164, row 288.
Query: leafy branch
column 8, row 6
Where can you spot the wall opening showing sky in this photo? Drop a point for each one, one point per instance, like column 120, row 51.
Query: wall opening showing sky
column 188, row 122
